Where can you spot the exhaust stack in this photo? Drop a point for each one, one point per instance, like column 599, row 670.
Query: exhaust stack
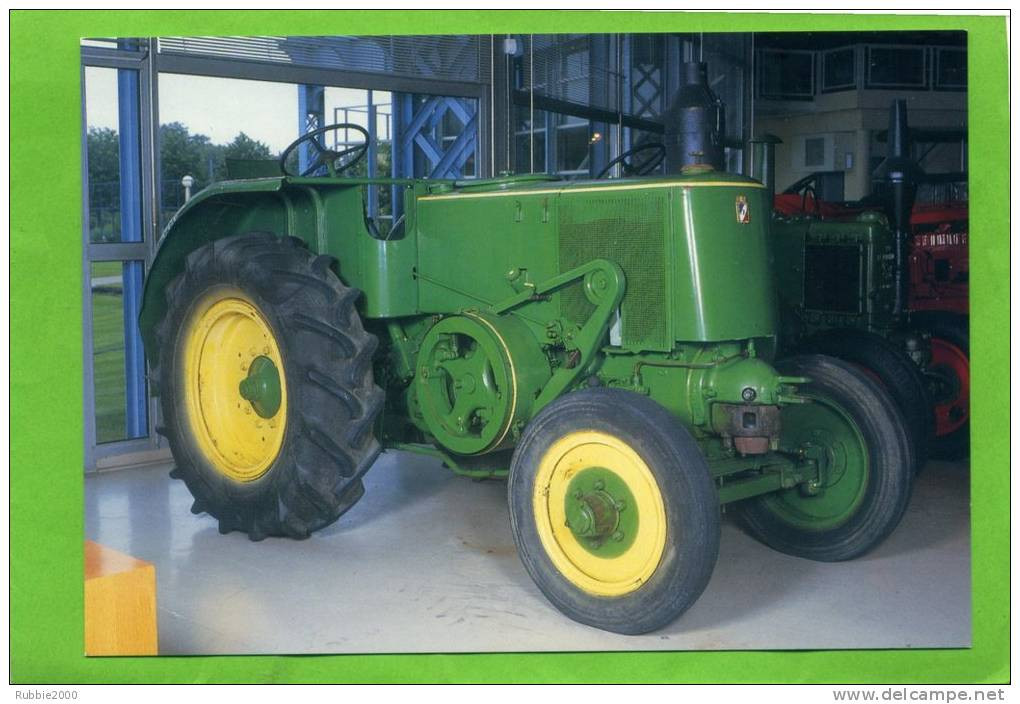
column 695, row 123
column 898, row 175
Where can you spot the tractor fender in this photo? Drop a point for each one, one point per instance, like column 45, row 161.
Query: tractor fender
column 222, row 210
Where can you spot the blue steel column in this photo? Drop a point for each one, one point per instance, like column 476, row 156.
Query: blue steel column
column 401, row 151
column 129, row 135
column 311, row 116
column 405, row 129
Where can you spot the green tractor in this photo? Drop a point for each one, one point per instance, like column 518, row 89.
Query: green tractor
column 607, row 346
column 835, row 282
column 844, row 285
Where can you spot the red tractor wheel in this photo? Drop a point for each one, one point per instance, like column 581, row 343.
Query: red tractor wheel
column 949, row 382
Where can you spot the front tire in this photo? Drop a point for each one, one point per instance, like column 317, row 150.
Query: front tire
column 613, row 510
column 891, row 366
column 266, row 386
column 854, row 432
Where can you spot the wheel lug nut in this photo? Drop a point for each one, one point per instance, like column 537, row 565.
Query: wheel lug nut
column 599, row 485
column 578, row 494
column 618, row 536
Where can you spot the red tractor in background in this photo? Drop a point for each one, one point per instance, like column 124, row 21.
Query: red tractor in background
column 939, row 300
column 939, row 270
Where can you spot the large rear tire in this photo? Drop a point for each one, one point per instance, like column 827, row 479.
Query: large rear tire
column 266, row 386
column 949, row 372
column 852, row 428
column 891, row 366
column 613, row 510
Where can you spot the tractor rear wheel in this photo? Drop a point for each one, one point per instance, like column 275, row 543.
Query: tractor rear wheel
column 949, row 373
column 853, row 431
column 266, row 386
column 891, row 367
column 613, row 510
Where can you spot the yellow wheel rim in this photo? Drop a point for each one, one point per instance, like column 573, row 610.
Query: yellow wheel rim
column 225, row 335
column 556, row 486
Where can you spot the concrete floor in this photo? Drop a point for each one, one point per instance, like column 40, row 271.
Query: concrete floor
column 426, row 563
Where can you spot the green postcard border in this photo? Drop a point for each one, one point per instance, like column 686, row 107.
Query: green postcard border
column 46, row 501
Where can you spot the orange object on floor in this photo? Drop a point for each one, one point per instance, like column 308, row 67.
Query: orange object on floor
column 120, row 603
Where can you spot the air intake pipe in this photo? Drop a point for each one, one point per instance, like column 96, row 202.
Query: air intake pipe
column 762, row 164
column 695, row 123
column 897, row 178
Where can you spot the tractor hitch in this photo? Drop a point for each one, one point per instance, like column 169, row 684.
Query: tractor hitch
column 748, row 428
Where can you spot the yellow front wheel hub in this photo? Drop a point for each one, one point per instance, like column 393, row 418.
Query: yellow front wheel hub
column 599, row 513
column 234, row 386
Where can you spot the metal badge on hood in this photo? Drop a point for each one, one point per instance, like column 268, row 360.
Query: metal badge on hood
column 743, row 211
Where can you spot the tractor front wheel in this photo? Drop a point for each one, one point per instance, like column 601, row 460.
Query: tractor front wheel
column 266, row 386
column 889, row 365
column 853, row 433
column 613, row 510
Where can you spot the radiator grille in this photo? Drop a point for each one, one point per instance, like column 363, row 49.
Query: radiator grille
column 832, row 278
column 593, row 228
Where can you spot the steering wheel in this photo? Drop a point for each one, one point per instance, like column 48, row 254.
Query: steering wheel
column 645, row 168
column 799, row 185
column 333, row 160
column 817, row 206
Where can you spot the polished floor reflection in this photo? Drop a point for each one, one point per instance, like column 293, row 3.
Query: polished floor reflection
column 425, row 563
